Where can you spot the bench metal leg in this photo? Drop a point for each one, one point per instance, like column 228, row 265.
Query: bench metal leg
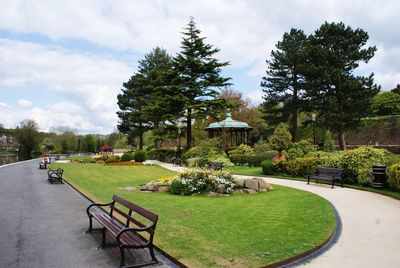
column 103, row 240
column 153, row 256
column 90, row 224
column 122, row 261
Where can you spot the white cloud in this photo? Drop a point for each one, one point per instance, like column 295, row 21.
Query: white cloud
column 256, row 97
column 24, row 102
column 4, row 105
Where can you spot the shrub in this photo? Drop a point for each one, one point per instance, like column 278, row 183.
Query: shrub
column 268, row 167
column 127, row 157
column 140, row 156
column 301, row 149
column 197, row 161
column 301, row 166
column 163, row 154
column 113, row 158
column 394, row 177
column 260, row 156
column 241, row 155
column 281, row 138
column 223, row 159
column 207, row 148
column 199, row 181
column 358, row 162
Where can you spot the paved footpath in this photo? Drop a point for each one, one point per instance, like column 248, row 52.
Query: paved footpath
column 43, row 225
column 370, row 234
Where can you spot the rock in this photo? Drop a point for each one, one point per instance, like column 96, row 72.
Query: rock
column 152, row 187
column 163, row 189
column 249, row 191
column 241, row 183
column 211, row 194
column 128, row 189
column 263, row 184
column 252, row 184
column 221, row 188
column 239, row 191
column 143, row 187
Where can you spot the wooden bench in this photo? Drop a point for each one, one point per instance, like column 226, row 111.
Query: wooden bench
column 55, row 175
column 215, row 166
column 327, row 174
column 127, row 232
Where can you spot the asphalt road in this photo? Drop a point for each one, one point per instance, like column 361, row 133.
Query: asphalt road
column 43, row 225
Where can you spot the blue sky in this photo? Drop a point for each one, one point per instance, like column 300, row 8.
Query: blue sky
column 62, row 63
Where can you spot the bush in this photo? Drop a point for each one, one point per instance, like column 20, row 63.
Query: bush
column 260, row 156
column 358, row 162
column 301, row 166
column 163, row 154
column 223, row 159
column 140, row 156
column 113, row 158
column 205, row 149
column 241, row 155
column 394, row 177
column 301, row 149
column 268, row 167
column 126, row 157
column 199, row 181
column 197, row 161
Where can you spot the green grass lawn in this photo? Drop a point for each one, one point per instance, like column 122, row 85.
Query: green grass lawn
column 200, row 231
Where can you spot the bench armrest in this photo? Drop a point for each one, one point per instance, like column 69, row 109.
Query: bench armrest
column 98, row 205
column 137, row 230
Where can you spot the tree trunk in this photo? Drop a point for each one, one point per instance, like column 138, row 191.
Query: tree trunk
column 157, row 142
column 141, row 141
column 294, row 125
column 189, row 129
column 342, row 142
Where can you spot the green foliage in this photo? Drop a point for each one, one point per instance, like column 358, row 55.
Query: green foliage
column 140, row 156
column 301, row 166
column 90, row 141
column 113, row 158
column 194, row 181
column 260, row 156
column 340, row 98
column 163, row 154
column 197, row 161
column 393, row 159
column 127, row 157
column 240, row 155
column 198, row 77
column 281, row 138
column 268, row 167
column 205, row 148
column 358, row 162
column 329, row 144
column 386, row 103
column 226, row 163
column 394, row 177
column 301, row 149
column 28, row 137
column 284, row 83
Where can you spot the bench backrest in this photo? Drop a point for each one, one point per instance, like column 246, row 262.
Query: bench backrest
column 134, row 208
column 333, row 172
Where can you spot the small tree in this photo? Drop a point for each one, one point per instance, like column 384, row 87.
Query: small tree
column 281, row 138
column 28, row 137
column 386, row 103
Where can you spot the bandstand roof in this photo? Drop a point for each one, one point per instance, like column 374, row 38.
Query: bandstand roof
column 228, row 123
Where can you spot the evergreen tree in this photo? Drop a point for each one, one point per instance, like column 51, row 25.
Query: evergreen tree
column 340, row 98
column 132, row 102
column 28, row 137
column 198, row 77
column 284, row 84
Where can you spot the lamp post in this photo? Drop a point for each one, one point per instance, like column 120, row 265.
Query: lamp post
column 313, row 117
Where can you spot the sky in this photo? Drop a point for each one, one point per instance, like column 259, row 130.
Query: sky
column 62, row 63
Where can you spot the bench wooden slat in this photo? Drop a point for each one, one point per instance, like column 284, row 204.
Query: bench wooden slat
column 144, row 212
column 327, row 174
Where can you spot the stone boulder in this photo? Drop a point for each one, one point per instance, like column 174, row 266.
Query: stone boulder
column 263, row 184
column 163, row 189
column 252, row 184
column 249, row 191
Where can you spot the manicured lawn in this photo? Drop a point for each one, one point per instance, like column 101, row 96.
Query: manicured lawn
column 200, row 231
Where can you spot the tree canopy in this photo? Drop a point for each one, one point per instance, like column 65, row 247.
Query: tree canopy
column 28, row 137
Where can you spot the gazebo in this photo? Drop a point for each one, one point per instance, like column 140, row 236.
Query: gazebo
column 232, row 132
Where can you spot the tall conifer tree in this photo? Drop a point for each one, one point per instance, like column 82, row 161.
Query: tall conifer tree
column 198, row 77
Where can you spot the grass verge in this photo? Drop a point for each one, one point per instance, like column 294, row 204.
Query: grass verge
column 235, row 231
